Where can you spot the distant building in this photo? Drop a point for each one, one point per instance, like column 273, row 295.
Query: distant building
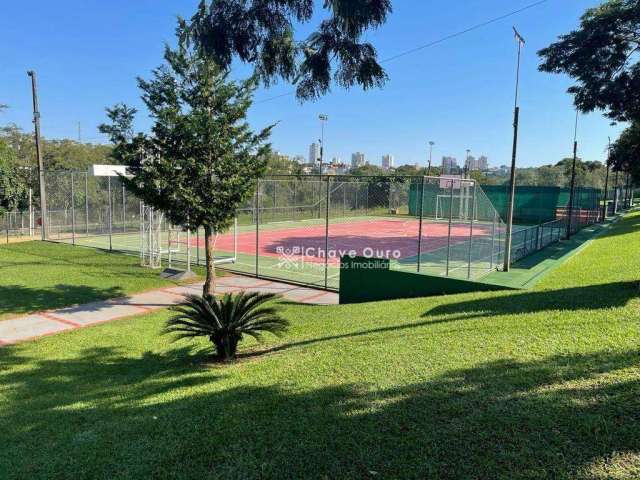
column 314, row 152
column 358, row 160
column 472, row 163
column 449, row 164
column 387, row 162
column 299, row 158
column 309, row 168
column 483, row 163
column 337, row 167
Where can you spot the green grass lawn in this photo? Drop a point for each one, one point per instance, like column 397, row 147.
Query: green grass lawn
column 41, row 275
column 503, row 385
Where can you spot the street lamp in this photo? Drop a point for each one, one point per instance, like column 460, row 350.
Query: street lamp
column 573, row 177
column 431, row 144
column 512, row 180
column 466, row 164
column 323, row 118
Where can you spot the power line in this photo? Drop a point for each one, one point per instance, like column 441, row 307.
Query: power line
column 465, row 31
column 434, row 42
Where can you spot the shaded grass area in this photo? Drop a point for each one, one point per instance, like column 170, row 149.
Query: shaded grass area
column 41, row 275
column 536, row 384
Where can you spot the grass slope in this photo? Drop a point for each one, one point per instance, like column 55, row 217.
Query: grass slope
column 40, row 275
column 503, row 385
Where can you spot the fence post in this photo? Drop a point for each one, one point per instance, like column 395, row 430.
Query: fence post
column 188, row 249
column 326, row 233
column 168, row 242
column 86, row 202
column 124, row 210
column 473, row 214
column 540, row 236
column 110, row 219
column 366, row 207
column 420, row 224
column 256, row 207
column 197, row 245
column 31, row 219
column 73, row 211
column 449, row 231
column 141, row 216
column 152, row 234
column 493, row 240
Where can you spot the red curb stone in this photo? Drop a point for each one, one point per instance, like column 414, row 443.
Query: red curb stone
column 50, row 316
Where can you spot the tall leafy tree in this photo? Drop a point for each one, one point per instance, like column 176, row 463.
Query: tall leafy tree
column 603, row 56
column 201, row 159
column 626, row 152
column 262, row 33
column 13, row 191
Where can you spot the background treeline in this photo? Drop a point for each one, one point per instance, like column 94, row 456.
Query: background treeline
column 18, row 168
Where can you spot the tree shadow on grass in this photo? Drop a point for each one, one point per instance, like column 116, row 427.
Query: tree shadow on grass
column 18, row 299
column 592, row 297
column 109, row 416
column 626, row 225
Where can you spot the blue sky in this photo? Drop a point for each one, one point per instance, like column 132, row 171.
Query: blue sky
column 459, row 93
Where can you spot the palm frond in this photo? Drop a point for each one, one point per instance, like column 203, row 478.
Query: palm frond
column 225, row 320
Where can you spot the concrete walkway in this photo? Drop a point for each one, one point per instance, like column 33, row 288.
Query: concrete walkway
column 39, row 324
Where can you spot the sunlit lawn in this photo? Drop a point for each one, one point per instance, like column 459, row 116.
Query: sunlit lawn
column 530, row 384
column 41, row 275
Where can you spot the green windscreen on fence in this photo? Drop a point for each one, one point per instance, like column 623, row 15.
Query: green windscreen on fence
column 533, row 204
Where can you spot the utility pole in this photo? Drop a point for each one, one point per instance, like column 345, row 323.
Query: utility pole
column 323, row 118
column 467, row 166
column 36, row 122
column 431, row 144
column 573, row 176
column 605, row 208
column 512, row 193
column 79, row 133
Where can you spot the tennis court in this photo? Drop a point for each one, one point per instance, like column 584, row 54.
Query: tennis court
column 297, row 228
column 300, row 251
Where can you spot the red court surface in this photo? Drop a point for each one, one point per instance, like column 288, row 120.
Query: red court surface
column 385, row 238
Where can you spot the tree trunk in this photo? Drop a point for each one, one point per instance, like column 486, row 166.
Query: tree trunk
column 210, row 279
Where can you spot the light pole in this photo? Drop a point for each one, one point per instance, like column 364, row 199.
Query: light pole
column 512, row 193
column 573, row 176
column 431, row 144
column 36, row 123
column 467, row 167
column 323, row 118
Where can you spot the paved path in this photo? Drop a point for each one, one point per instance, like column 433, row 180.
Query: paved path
column 39, row 324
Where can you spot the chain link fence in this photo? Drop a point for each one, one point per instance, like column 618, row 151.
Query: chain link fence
column 297, row 228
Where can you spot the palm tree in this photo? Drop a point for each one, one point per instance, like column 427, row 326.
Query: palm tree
column 226, row 320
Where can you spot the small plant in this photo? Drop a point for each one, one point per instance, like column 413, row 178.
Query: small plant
column 226, row 320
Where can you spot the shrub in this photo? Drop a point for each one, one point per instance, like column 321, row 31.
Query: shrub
column 226, row 320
